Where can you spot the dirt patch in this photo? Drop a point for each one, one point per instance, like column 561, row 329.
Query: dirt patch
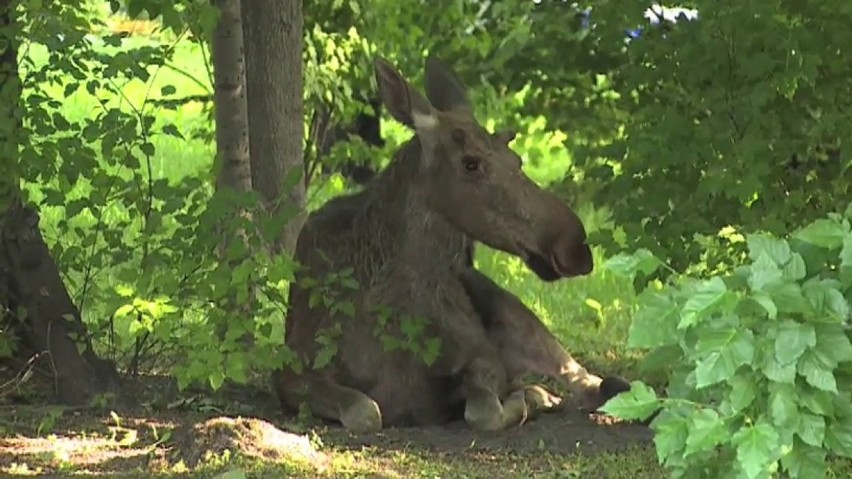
column 167, row 426
column 247, row 436
column 563, row 433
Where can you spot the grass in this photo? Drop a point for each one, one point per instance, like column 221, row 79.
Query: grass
column 590, row 315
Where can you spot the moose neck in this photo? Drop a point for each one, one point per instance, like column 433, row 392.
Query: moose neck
column 420, row 235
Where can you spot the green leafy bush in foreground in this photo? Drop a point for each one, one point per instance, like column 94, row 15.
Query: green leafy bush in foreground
column 758, row 362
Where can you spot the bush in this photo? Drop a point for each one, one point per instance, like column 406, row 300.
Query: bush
column 762, row 358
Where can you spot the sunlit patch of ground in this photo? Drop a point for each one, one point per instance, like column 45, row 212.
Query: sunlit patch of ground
column 102, row 456
column 82, row 454
column 44, row 441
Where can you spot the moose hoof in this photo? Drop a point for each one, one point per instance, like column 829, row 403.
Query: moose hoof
column 516, row 410
column 362, row 416
column 598, row 392
column 540, row 399
column 606, row 389
column 484, row 412
column 612, row 386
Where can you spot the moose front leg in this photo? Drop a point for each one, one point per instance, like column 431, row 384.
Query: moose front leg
column 526, row 346
column 484, row 381
column 468, row 354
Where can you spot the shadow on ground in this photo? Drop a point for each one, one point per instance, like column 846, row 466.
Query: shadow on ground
column 562, row 432
column 144, row 440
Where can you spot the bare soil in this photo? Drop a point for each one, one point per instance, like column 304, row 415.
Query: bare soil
column 164, row 426
column 559, row 433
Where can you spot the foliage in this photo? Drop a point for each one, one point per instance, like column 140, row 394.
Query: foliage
column 737, row 117
column 138, row 249
column 132, row 231
column 759, row 361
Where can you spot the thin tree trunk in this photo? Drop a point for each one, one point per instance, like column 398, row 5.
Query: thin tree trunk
column 232, row 136
column 33, row 298
column 273, row 40
column 232, row 130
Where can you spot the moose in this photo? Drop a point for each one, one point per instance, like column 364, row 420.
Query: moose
column 407, row 238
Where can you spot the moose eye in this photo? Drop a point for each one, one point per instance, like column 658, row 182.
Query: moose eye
column 470, row 163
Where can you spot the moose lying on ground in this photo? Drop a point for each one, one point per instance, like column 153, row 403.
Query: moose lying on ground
column 408, row 237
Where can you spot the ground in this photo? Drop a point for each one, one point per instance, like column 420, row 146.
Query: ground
column 169, row 434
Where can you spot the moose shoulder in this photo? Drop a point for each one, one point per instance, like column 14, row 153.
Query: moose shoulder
column 407, row 237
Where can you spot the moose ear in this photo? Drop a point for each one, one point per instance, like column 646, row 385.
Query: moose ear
column 505, row 136
column 402, row 100
column 443, row 87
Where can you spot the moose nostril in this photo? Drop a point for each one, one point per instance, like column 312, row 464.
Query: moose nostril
column 585, row 262
column 573, row 259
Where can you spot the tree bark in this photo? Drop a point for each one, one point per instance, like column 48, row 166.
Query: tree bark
column 273, row 39
column 33, row 299
column 232, row 136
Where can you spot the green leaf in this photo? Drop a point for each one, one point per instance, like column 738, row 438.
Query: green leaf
column 846, row 264
column 795, row 269
column 670, row 434
column 817, row 401
column 762, row 244
column 743, row 391
column 764, row 272
column 826, row 299
column 147, row 149
column 171, row 130
column 216, row 379
column 788, row 297
column 235, row 368
column 124, row 310
column 167, row 90
column 347, row 308
column 708, row 296
column 70, row 89
column 833, row 343
column 817, row 372
column 775, row 370
column 661, row 358
column 823, row 232
column 762, row 298
column 706, row 431
column 655, row 321
column 731, row 348
column 792, row 340
column 805, row 461
column 714, row 368
column 636, row 404
column 783, row 408
column 291, row 179
column 838, row 306
column 627, row 265
column 756, row 448
column 811, row 428
column 324, row 357
column 838, row 436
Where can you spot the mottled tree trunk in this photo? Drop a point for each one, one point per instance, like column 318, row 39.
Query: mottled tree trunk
column 34, row 303
column 232, row 136
column 273, row 39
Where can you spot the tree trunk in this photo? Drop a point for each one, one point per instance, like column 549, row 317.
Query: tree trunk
column 232, row 140
column 33, row 299
column 232, row 136
column 273, row 40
